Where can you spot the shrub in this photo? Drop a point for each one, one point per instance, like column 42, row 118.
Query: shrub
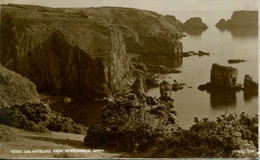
column 130, row 125
column 148, row 131
column 208, row 138
column 38, row 117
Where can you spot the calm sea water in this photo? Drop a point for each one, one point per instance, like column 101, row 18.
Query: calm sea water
column 223, row 45
column 190, row 102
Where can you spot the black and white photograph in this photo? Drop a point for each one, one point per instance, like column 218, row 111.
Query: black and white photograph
column 116, row 79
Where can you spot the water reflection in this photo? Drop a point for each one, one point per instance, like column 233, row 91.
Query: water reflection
column 172, row 62
column 241, row 32
column 248, row 96
column 195, row 32
column 223, row 98
column 244, row 32
column 81, row 112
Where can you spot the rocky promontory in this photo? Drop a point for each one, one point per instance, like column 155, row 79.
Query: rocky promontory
column 82, row 51
column 240, row 19
column 157, row 34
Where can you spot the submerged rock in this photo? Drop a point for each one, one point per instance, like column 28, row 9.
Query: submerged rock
column 249, row 85
column 161, row 69
column 67, row 100
column 192, row 53
column 204, row 87
column 230, row 61
column 177, row 86
column 201, row 53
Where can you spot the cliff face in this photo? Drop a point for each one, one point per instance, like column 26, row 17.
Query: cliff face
column 240, row 19
column 63, row 51
column 162, row 31
column 15, row 89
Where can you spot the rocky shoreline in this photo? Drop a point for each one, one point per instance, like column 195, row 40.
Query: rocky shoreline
column 89, row 59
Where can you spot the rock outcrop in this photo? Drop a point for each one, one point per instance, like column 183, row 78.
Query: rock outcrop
column 157, row 34
column 240, row 19
column 231, row 61
column 194, row 26
column 221, row 78
column 131, row 39
column 192, row 53
column 82, row 51
column 224, row 77
column 249, row 85
column 15, row 89
column 222, row 23
column 177, row 86
column 138, row 87
column 63, row 52
column 165, row 91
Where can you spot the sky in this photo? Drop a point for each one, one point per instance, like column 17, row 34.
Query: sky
column 154, row 5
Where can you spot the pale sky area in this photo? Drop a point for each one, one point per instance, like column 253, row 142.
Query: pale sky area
column 162, row 6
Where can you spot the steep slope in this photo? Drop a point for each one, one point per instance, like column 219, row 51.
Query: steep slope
column 82, row 51
column 15, row 89
column 63, row 51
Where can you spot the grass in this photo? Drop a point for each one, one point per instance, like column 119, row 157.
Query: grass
column 18, row 139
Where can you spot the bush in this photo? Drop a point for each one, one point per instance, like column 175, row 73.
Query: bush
column 131, row 126
column 38, row 117
column 207, row 138
column 151, row 131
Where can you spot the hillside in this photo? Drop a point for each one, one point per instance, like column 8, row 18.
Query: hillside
column 15, row 89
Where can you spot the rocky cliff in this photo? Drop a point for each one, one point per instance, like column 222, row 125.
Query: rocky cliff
column 157, row 34
column 82, row 51
column 63, row 51
column 240, row 19
column 15, row 89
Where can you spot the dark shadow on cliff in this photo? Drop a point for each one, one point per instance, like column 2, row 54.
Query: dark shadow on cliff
column 167, row 61
column 222, row 98
column 248, row 96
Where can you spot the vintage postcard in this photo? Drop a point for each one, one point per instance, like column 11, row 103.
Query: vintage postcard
column 129, row 79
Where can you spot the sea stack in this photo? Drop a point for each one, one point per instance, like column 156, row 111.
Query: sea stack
column 223, row 77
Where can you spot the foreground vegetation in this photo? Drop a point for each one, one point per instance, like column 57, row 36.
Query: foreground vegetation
column 150, row 130
column 38, row 117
